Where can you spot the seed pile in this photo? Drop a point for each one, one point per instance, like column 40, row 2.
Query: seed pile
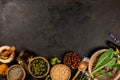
column 72, row 60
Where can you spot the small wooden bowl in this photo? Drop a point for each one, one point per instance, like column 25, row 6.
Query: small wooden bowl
column 16, row 72
column 92, row 61
column 40, row 76
column 60, row 72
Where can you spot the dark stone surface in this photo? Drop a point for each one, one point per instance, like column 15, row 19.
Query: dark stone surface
column 52, row 27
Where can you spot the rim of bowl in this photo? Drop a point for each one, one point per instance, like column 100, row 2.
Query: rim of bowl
column 93, row 59
column 41, row 76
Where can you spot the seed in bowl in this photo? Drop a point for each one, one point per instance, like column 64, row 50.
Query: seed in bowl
column 38, row 67
column 72, row 60
column 60, row 72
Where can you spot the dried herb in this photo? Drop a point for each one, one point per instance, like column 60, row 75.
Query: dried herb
column 38, row 67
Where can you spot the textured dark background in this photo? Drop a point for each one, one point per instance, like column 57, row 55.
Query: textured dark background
column 52, row 27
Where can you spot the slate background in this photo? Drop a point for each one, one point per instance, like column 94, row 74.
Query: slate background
column 52, row 27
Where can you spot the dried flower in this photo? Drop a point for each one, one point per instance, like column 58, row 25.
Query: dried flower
column 114, row 70
column 117, row 50
column 106, row 68
column 115, row 38
column 118, row 61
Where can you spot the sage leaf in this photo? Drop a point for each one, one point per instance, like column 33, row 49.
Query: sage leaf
column 104, row 58
column 110, row 64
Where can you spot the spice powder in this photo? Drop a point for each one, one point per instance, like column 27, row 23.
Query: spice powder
column 15, row 73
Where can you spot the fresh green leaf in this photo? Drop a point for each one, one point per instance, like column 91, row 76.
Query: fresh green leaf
column 103, row 72
column 48, row 77
column 115, row 55
column 104, row 58
column 98, row 73
column 109, row 64
column 108, row 74
column 117, row 67
column 55, row 61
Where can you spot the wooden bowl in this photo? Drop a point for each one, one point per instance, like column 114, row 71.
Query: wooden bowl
column 16, row 71
column 92, row 61
column 60, row 72
column 46, row 63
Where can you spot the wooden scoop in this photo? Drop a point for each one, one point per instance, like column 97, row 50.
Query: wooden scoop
column 82, row 67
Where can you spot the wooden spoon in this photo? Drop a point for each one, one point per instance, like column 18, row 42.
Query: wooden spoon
column 82, row 67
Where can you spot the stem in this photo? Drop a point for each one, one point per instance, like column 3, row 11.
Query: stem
column 98, row 69
column 81, row 76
